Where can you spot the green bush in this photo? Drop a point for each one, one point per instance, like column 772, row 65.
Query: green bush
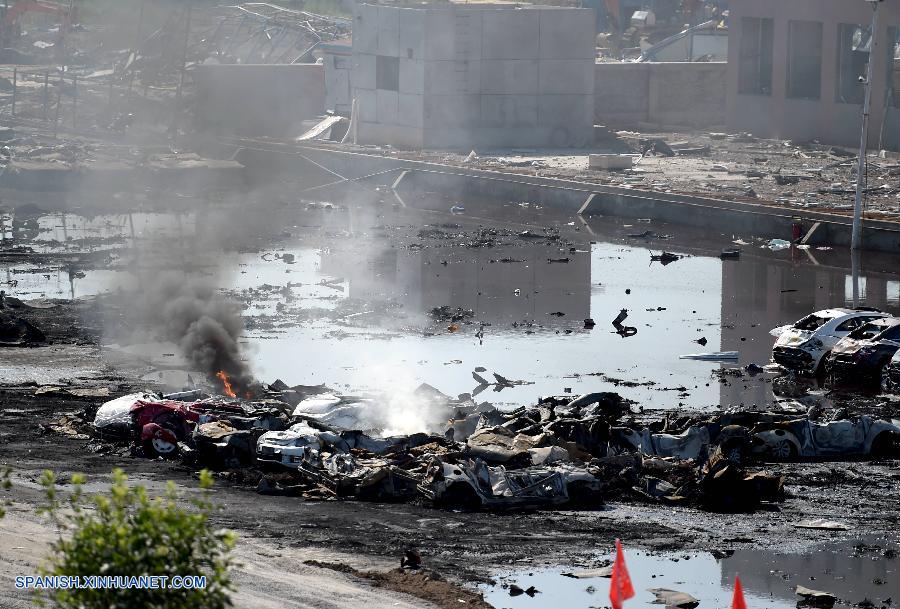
column 127, row 533
column 5, row 484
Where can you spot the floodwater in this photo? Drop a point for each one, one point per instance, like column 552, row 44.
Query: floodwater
column 341, row 295
column 851, row 570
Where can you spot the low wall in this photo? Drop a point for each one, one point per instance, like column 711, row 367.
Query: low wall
column 408, row 177
column 667, row 94
column 258, row 100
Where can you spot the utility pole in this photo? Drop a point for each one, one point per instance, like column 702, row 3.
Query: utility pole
column 184, row 50
column 856, row 238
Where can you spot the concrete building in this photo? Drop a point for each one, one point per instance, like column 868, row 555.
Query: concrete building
column 337, row 58
column 474, row 76
column 795, row 65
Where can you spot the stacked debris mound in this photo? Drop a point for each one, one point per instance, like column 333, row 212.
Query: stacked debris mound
column 17, row 332
column 315, row 443
column 214, row 431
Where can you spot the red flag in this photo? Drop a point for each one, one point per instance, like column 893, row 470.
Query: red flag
column 620, row 588
column 738, row 600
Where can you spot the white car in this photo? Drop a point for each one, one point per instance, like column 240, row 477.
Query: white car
column 805, row 438
column 290, row 447
column 802, row 347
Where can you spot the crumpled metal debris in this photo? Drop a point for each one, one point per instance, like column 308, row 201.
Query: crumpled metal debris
column 562, row 450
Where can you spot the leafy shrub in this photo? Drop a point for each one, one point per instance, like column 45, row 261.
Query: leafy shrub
column 5, row 484
column 125, row 532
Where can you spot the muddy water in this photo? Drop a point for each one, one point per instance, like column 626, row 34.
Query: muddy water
column 852, row 571
column 342, row 296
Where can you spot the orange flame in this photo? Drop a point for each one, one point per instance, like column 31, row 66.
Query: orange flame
column 226, row 384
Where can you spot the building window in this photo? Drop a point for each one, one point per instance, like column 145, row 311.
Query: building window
column 804, row 60
column 387, row 73
column 755, row 61
column 893, row 67
column 848, row 289
column 853, row 57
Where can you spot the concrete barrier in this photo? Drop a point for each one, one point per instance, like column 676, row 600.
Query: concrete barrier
column 751, row 219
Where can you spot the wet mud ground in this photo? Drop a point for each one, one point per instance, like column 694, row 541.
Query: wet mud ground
column 365, row 276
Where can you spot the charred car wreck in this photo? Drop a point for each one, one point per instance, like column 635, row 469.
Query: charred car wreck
column 562, row 451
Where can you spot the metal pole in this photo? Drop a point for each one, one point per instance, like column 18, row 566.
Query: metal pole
column 15, row 89
column 74, row 101
column 140, row 33
column 856, row 237
column 58, row 107
column 46, row 93
column 180, row 91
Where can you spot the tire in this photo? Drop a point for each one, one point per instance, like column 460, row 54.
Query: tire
column 784, row 450
column 735, row 455
column 886, row 385
column 157, row 447
column 885, row 444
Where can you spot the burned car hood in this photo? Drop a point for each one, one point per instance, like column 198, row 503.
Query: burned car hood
column 792, row 337
column 850, row 345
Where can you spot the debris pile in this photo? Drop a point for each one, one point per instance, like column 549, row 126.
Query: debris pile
column 561, row 451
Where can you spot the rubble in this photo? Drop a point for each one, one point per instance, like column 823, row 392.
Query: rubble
column 18, row 332
column 579, row 451
column 673, row 598
column 814, row 598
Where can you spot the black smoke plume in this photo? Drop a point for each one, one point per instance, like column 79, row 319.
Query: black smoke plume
column 205, row 325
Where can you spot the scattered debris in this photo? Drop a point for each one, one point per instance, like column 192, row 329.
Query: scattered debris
column 664, row 258
column 673, row 598
column 814, row 598
column 622, row 330
column 821, row 523
column 18, row 332
column 711, row 357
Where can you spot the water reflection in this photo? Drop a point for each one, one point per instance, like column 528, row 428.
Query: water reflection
column 769, row 579
column 370, row 265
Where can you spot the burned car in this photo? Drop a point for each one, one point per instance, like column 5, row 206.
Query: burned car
column 160, row 425
column 304, row 442
column 290, row 447
column 805, row 438
column 692, row 443
column 861, row 356
column 472, row 483
column 802, row 347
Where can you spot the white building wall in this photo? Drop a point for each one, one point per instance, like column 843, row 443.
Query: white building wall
column 476, row 77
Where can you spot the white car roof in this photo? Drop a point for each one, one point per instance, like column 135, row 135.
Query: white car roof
column 841, row 312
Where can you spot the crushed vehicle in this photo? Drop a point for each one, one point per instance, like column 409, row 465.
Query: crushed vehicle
column 163, row 426
column 803, row 437
column 472, row 483
column 861, row 356
column 803, row 346
column 692, row 443
column 288, row 447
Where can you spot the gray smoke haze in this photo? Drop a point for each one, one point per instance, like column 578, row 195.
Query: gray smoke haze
column 203, row 324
